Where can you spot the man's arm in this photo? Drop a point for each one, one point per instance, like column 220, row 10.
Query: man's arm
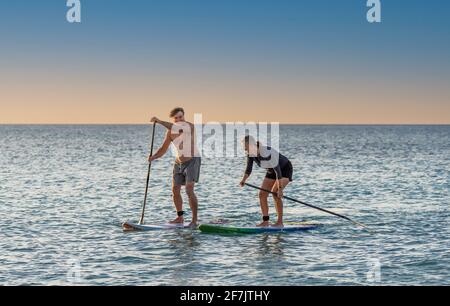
column 162, row 150
column 165, row 124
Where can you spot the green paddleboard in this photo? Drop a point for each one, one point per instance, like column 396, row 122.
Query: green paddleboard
column 221, row 229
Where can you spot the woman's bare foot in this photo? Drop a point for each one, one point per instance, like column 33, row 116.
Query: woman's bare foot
column 278, row 224
column 193, row 225
column 264, row 224
column 178, row 220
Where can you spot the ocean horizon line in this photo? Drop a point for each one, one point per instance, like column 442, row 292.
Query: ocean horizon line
column 222, row 123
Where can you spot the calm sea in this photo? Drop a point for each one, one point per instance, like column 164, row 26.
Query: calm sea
column 65, row 190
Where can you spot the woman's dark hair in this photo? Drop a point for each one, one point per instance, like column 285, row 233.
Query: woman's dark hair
column 250, row 140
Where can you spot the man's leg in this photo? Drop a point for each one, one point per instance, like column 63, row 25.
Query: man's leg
column 279, row 201
column 177, row 201
column 263, row 195
column 192, row 176
column 193, row 202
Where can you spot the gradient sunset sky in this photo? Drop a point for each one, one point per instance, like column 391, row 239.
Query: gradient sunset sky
column 290, row 61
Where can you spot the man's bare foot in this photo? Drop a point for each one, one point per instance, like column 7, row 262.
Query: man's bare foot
column 178, row 220
column 264, row 224
column 278, row 224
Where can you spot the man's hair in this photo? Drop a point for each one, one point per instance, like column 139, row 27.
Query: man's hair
column 175, row 111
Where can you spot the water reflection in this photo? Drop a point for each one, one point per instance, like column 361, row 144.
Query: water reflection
column 271, row 245
column 183, row 241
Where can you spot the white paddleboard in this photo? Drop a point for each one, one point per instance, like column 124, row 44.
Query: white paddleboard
column 130, row 227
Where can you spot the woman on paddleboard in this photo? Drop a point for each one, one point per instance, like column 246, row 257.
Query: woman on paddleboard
column 278, row 176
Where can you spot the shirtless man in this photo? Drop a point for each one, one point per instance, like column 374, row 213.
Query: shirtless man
column 186, row 169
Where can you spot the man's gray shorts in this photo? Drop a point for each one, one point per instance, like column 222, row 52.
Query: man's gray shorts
column 187, row 172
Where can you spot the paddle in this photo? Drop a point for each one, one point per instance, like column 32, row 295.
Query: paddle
column 141, row 221
column 312, row 206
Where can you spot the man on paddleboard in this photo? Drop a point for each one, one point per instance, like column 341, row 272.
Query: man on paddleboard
column 186, row 169
column 278, row 176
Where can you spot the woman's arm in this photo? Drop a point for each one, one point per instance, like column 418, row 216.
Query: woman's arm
column 248, row 171
column 244, row 179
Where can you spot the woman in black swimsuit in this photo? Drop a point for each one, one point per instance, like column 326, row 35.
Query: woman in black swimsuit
column 278, row 176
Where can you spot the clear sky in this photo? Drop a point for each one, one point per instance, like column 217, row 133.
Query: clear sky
column 290, row 61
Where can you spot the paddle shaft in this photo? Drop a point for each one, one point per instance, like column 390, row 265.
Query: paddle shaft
column 141, row 221
column 309, row 205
